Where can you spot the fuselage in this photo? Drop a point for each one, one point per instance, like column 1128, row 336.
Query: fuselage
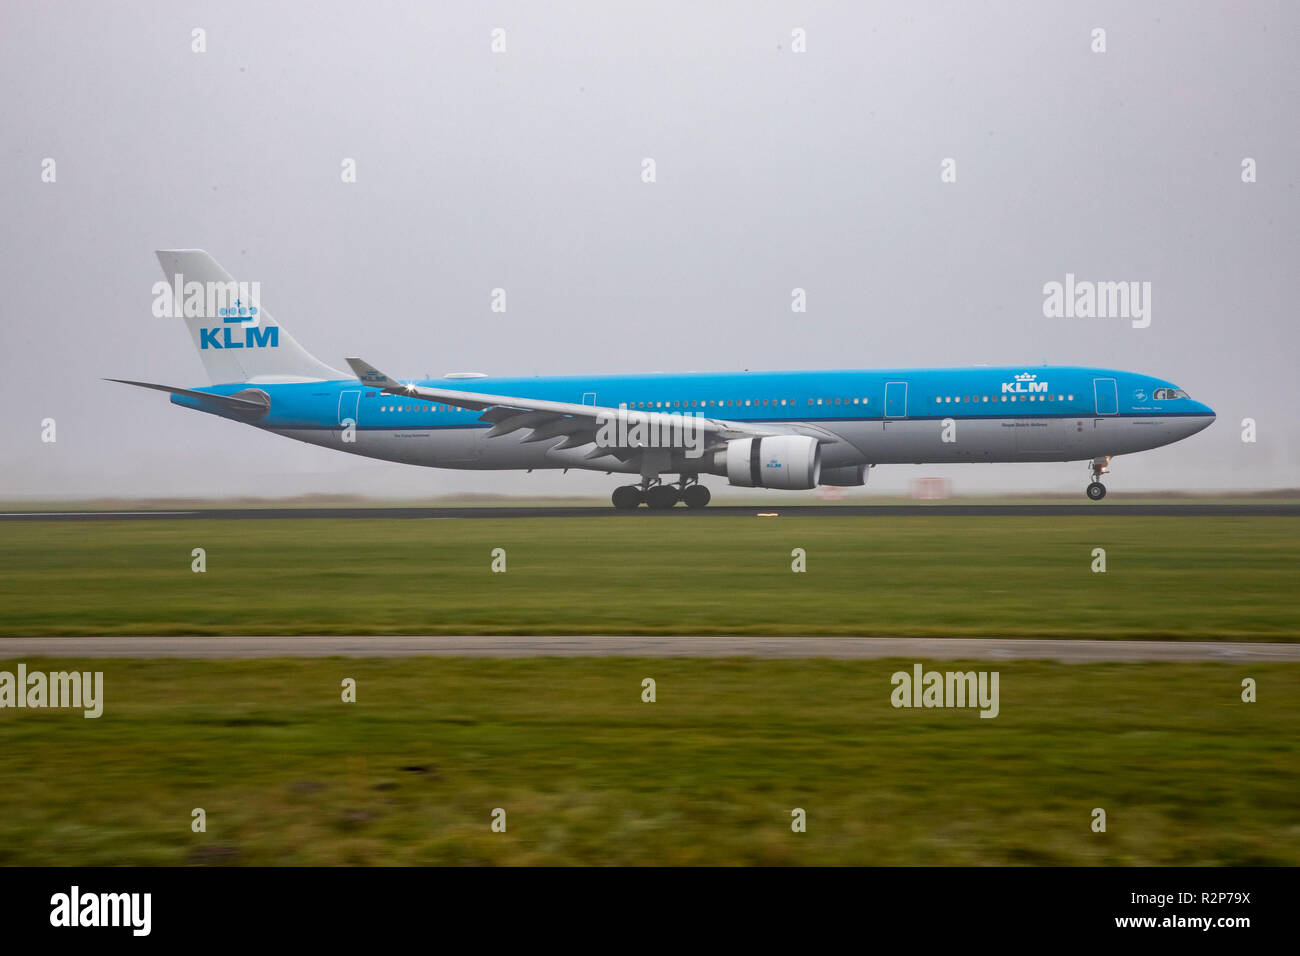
column 989, row 414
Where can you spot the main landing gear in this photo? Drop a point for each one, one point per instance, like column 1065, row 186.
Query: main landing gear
column 660, row 497
column 627, row 497
column 1100, row 466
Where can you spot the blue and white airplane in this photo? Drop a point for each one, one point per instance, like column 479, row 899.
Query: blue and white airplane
column 791, row 430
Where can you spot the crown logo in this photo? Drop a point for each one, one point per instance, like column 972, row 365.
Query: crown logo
column 1026, row 377
column 239, row 313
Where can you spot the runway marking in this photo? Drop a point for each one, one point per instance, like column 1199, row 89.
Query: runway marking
column 844, row 648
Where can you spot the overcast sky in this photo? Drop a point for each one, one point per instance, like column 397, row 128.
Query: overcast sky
column 521, row 169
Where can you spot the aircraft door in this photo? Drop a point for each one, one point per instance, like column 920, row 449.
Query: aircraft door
column 895, row 399
column 1107, row 396
column 349, row 412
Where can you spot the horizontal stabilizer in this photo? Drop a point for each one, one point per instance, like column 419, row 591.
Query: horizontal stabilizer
column 251, row 402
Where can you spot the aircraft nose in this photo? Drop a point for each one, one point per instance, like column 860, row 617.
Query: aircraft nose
column 1203, row 419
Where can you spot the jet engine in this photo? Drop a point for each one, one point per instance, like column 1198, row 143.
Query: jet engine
column 845, row 476
column 779, row 461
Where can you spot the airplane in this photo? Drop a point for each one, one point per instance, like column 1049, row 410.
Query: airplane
column 780, row 429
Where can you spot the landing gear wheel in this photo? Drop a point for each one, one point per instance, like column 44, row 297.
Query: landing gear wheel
column 696, row 496
column 661, row 497
column 626, row 497
column 1096, row 491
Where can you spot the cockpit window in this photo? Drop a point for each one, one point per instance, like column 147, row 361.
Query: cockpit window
column 1168, row 394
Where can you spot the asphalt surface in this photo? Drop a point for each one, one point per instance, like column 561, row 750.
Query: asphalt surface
column 846, row 648
column 1061, row 510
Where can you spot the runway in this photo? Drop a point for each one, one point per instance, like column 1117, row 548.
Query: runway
column 718, row 511
column 842, row 648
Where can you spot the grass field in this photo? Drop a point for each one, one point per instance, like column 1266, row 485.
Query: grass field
column 1188, row 578
column 586, row 772
column 708, row 774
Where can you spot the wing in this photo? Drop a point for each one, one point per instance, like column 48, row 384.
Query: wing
column 575, row 424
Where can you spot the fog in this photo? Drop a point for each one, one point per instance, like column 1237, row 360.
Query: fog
column 522, row 170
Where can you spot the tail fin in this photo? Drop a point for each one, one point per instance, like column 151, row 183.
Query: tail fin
column 237, row 340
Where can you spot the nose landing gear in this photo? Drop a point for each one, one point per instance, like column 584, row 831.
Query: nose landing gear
column 1100, row 466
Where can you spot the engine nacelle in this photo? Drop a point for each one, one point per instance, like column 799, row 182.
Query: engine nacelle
column 845, row 476
column 779, row 461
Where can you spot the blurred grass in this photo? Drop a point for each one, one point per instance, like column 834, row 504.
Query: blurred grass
column 588, row 774
column 1185, row 577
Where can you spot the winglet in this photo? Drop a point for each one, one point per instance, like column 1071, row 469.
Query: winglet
column 372, row 376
